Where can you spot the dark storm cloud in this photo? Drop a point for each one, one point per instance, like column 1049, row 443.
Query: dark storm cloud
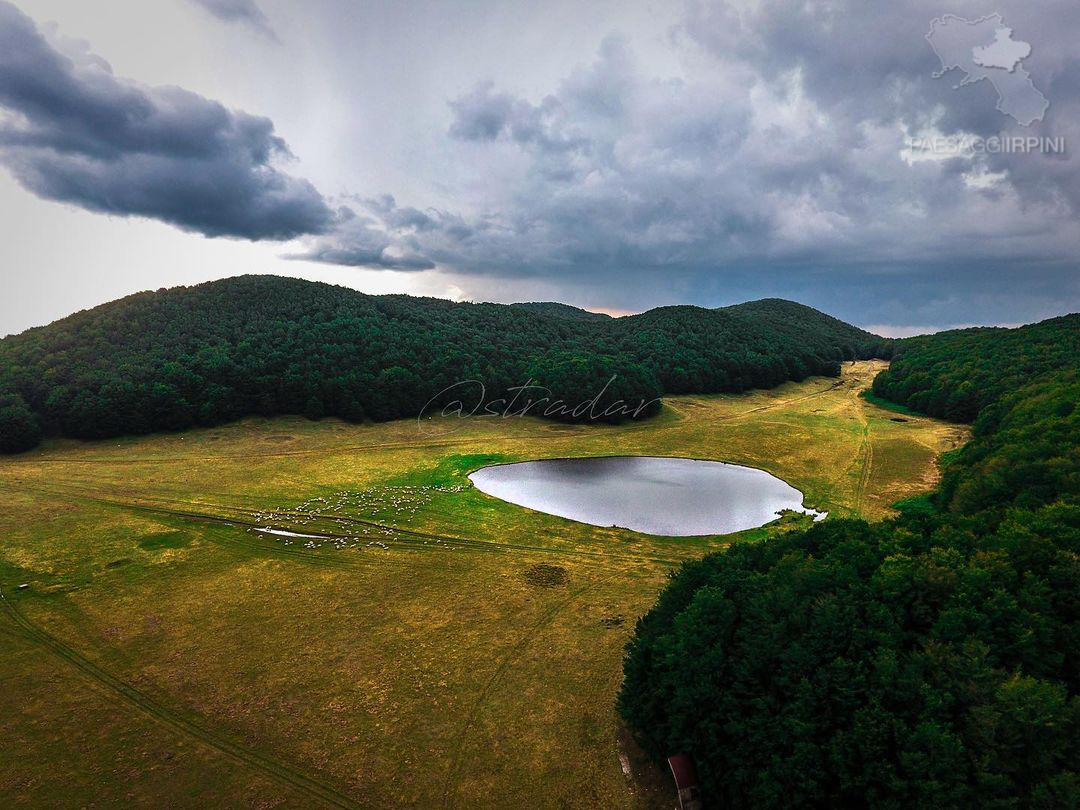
column 627, row 172
column 76, row 133
column 245, row 12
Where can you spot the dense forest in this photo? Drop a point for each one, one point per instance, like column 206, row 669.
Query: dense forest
column 932, row 660
column 954, row 375
column 204, row 355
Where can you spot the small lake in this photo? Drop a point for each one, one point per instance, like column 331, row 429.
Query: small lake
column 667, row 496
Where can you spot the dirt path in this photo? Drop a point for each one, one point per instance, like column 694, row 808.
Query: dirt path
column 323, row 451
column 866, row 452
column 865, row 455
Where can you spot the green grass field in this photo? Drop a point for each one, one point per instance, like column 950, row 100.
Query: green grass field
column 433, row 647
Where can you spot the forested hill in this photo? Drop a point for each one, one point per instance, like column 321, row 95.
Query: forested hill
column 557, row 310
column 932, row 660
column 207, row 354
column 787, row 317
column 954, row 375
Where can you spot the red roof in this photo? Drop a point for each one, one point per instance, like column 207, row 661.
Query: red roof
column 682, row 768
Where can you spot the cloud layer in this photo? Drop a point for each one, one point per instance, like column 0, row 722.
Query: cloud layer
column 72, row 131
column 763, row 154
column 773, row 163
column 381, row 240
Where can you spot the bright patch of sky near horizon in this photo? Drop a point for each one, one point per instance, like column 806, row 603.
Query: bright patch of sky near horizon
column 769, row 132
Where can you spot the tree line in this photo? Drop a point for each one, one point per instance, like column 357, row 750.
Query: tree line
column 954, row 375
column 204, row 355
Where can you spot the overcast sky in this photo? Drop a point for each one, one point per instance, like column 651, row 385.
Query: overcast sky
column 610, row 154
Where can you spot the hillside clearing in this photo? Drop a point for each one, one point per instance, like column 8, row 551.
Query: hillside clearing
column 421, row 645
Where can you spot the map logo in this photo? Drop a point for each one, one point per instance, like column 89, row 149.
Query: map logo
column 985, row 49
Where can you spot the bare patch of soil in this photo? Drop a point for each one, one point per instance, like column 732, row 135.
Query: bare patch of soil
column 546, row 576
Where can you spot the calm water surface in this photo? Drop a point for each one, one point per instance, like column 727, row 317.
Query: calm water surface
column 667, row 496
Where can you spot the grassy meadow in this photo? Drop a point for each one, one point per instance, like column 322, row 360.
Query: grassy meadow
column 426, row 646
